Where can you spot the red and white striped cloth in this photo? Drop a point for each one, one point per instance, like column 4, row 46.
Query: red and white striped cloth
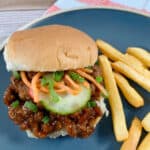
column 136, row 5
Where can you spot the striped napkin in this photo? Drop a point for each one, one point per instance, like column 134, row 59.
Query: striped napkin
column 142, row 6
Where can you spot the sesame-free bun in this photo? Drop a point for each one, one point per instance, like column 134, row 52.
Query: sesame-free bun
column 50, row 48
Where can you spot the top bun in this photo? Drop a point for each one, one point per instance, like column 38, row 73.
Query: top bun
column 50, row 48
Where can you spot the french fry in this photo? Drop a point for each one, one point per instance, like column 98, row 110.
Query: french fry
column 109, row 51
column 137, row 65
column 132, row 74
column 132, row 96
column 134, row 60
column 141, row 54
column 146, row 122
column 118, row 116
column 116, row 55
column 135, row 132
column 145, row 144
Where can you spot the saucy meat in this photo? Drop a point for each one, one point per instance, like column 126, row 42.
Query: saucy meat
column 79, row 124
column 21, row 89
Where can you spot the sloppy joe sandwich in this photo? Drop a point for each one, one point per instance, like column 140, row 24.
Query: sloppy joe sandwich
column 56, row 85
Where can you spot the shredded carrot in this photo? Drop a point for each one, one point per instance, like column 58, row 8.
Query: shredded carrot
column 90, row 78
column 24, row 79
column 34, row 86
column 44, row 89
column 86, row 84
column 71, row 91
column 58, row 84
column 71, row 83
column 87, row 70
column 60, row 91
column 61, row 88
column 68, row 89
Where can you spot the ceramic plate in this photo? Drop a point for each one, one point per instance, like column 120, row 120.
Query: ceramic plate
column 120, row 28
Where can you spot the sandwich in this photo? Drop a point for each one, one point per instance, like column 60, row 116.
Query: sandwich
column 56, row 86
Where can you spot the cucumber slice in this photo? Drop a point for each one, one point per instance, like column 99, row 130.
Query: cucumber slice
column 67, row 104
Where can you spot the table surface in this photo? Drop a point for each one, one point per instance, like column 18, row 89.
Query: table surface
column 16, row 13
column 12, row 20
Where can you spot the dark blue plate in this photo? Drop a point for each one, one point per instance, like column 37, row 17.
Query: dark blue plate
column 120, row 28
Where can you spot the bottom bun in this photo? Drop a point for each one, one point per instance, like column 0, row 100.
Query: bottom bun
column 53, row 135
column 63, row 132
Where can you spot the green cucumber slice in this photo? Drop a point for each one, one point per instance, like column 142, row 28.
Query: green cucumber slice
column 67, row 104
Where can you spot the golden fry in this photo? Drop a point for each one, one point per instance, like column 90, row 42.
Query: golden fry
column 132, row 74
column 109, row 51
column 116, row 55
column 141, row 54
column 118, row 116
column 134, row 60
column 132, row 96
column 135, row 132
column 145, row 144
column 146, row 122
column 137, row 65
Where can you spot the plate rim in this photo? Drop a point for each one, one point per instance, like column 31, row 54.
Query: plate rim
column 128, row 10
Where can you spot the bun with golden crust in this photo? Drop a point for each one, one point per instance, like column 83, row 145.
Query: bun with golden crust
column 50, row 48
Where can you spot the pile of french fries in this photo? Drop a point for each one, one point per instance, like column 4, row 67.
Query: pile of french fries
column 116, row 66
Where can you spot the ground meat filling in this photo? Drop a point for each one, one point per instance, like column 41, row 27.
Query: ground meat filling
column 79, row 124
